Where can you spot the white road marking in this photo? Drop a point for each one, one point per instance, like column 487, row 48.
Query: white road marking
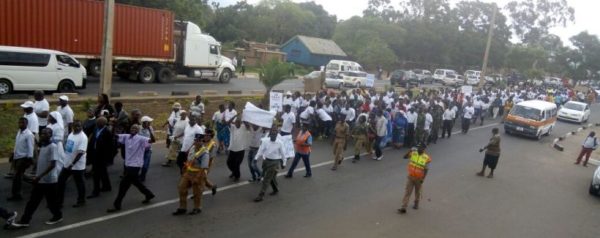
column 175, row 200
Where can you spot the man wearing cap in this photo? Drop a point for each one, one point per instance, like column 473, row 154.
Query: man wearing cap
column 417, row 170
column 176, row 137
column 170, row 123
column 31, row 124
column 134, row 145
column 288, row 100
column 197, row 107
column 148, row 132
column 41, row 107
column 194, row 176
column 271, row 151
column 66, row 112
column 22, row 157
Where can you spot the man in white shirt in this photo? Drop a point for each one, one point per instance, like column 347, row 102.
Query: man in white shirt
column 411, row 118
column 22, row 157
column 381, row 129
column 288, row 119
column 288, row 100
column 230, row 112
column 349, row 113
column 176, row 137
column 428, row 122
column 447, row 122
column 326, row 122
column 237, row 147
column 271, row 151
column 308, row 113
column 197, row 107
column 66, row 112
column 74, row 164
column 468, row 113
column 187, row 141
column 32, row 119
column 41, row 107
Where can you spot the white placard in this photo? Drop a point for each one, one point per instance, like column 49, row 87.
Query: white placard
column 370, row 81
column 288, row 144
column 276, row 101
column 466, row 89
column 257, row 116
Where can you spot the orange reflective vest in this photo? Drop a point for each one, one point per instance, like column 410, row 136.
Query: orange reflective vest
column 417, row 165
column 301, row 146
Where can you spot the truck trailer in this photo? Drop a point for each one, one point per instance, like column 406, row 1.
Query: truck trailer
column 149, row 45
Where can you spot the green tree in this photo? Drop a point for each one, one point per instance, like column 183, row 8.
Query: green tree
column 271, row 74
column 532, row 19
column 196, row 11
column 376, row 53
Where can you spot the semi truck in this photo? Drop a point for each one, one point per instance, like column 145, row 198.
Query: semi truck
column 149, row 45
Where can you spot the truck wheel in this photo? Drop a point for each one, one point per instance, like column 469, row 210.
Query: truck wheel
column 225, row 76
column 66, row 86
column 94, row 68
column 164, row 74
column 146, row 74
column 5, row 87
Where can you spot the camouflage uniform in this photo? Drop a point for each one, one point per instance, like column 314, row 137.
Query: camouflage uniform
column 437, row 122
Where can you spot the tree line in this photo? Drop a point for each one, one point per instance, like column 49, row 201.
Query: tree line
column 412, row 33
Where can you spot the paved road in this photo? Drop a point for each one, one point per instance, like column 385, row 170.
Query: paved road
column 246, row 85
column 537, row 192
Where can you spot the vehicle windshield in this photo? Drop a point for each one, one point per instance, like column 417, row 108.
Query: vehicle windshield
column 527, row 112
column 333, row 66
column 574, row 106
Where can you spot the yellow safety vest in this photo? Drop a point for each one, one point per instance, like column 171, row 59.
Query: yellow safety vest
column 417, row 165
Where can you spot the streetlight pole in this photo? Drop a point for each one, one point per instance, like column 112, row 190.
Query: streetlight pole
column 107, row 47
column 487, row 47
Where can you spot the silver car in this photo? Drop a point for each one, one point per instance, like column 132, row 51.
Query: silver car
column 333, row 80
column 595, row 185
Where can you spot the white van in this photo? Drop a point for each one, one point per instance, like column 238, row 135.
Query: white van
column 445, row 76
column 28, row 69
column 337, row 66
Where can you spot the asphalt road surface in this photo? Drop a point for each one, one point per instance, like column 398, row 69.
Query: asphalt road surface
column 536, row 192
column 194, row 86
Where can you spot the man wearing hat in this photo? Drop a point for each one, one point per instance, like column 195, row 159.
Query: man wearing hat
column 176, row 137
column 170, row 123
column 148, row 132
column 417, row 170
column 32, row 119
column 194, row 176
column 66, row 112
column 41, row 107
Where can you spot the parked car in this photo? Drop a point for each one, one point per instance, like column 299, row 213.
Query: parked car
column 552, row 81
column 595, row 184
column 453, row 80
column 354, row 78
column 574, row 111
column 333, row 80
column 312, row 75
column 424, row 76
column 473, row 77
column 402, row 77
column 27, row 69
column 440, row 75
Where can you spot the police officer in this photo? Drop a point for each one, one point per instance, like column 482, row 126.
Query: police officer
column 360, row 135
column 342, row 132
column 194, row 175
column 417, row 170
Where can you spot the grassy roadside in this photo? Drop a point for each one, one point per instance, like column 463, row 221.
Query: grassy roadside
column 157, row 108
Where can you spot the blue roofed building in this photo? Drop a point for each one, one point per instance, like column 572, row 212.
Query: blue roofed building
column 311, row 51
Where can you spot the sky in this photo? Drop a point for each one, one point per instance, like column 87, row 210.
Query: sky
column 586, row 13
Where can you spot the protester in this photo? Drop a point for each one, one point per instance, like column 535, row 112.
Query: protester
column 197, row 107
column 100, row 152
column 22, row 157
column 468, row 114
column 135, row 145
column 148, row 132
column 492, row 153
column 255, row 136
column 74, row 164
column 41, row 107
column 67, row 114
column 103, row 108
column 170, row 123
column 302, row 147
column 237, row 147
column 272, row 153
column 176, row 137
column 381, row 131
column 589, row 144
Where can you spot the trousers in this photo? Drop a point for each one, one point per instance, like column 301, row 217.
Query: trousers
column 338, row 150
column 360, row 143
column 305, row 159
column 39, row 192
column 195, row 180
column 234, row 160
column 100, row 177
column 131, row 178
column 412, row 184
column 447, row 128
column 78, row 176
column 252, row 164
column 20, row 166
column 584, row 152
column 270, row 175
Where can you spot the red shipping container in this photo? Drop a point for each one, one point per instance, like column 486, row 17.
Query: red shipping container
column 76, row 26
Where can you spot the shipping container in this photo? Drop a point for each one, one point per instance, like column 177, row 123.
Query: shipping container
column 76, row 26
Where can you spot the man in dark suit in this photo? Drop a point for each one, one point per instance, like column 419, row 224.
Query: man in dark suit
column 101, row 149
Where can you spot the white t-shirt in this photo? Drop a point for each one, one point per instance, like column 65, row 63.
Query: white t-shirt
column 309, row 111
column 74, row 144
column 217, row 116
column 323, row 115
column 39, row 107
column 188, row 136
column 67, row 114
column 32, row 123
column 229, row 114
column 349, row 114
column 468, row 112
column 288, row 122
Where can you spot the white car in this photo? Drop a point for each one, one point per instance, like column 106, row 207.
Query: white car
column 574, row 111
column 439, row 75
column 333, row 80
column 595, row 184
column 354, row 78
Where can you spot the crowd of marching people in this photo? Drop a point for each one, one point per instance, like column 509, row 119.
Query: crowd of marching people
column 51, row 145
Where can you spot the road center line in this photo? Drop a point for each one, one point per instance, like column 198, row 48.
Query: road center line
column 176, row 200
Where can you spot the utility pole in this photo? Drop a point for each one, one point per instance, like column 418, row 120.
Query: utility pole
column 487, row 48
column 107, row 47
